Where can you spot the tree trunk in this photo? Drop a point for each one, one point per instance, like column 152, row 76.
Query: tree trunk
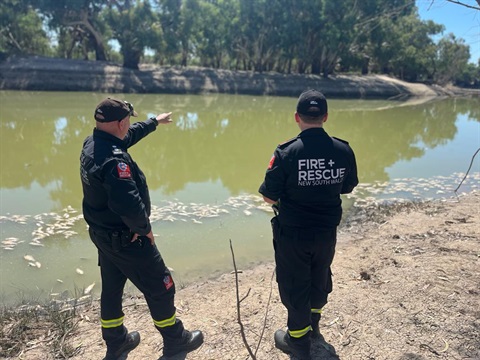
column 316, row 67
column 97, row 37
column 131, row 59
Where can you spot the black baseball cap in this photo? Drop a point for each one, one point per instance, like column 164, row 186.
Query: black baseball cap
column 113, row 110
column 312, row 103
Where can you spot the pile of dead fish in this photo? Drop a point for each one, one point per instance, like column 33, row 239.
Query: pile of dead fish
column 65, row 223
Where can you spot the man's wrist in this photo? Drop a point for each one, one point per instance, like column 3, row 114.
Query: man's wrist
column 154, row 119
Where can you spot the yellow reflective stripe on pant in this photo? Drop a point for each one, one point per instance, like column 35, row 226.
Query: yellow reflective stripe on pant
column 167, row 322
column 299, row 333
column 108, row 324
column 317, row 311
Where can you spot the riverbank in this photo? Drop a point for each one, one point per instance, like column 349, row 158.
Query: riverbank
column 53, row 74
column 405, row 286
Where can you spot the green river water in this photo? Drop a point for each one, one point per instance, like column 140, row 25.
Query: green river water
column 203, row 171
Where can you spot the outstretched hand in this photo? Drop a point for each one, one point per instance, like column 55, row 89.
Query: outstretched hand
column 164, row 118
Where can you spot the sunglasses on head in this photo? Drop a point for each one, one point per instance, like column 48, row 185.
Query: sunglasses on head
column 130, row 108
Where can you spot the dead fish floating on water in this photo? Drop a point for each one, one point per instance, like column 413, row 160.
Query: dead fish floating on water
column 34, row 243
column 29, row 258
column 88, row 289
column 10, row 243
column 79, row 271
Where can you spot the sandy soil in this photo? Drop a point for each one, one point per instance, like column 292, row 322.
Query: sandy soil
column 406, row 286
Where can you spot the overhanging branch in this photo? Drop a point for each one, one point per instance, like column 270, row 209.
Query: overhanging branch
column 466, row 5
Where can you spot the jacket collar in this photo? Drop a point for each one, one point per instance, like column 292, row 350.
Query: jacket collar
column 108, row 137
column 316, row 131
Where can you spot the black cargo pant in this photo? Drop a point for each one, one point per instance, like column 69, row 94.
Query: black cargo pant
column 303, row 258
column 142, row 264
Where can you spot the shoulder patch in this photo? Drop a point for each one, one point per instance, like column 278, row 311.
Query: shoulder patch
column 272, row 160
column 343, row 141
column 123, row 171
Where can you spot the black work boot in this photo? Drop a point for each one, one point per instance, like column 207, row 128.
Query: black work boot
column 177, row 340
column 131, row 342
column 315, row 334
column 190, row 340
column 300, row 348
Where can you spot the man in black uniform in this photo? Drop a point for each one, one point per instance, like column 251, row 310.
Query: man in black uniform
column 304, row 180
column 116, row 206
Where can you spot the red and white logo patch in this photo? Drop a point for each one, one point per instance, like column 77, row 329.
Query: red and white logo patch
column 168, row 281
column 272, row 160
column 123, row 171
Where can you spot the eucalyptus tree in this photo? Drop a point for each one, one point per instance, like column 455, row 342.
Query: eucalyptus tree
column 216, row 28
column 136, row 27
column 453, row 55
column 316, row 35
column 469, row 77
column 77, row 16
column 258, row 44
column 168, row 12
column 21, row 29
column 415, row 51
column 337, row 35
column 376, row 38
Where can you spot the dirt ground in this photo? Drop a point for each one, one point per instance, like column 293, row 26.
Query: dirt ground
column 406, row 286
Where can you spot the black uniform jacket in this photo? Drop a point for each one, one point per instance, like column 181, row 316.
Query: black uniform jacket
column 307, row 174
column 115, row 192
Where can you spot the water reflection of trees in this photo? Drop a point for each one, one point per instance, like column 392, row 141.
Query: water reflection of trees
column 231, row 140
column 384, row 137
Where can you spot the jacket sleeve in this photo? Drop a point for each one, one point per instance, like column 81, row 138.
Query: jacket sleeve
column 273, row 185
column 352, row 177
column 138, row 131
column 124, row 197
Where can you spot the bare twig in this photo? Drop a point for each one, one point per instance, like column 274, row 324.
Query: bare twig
column 471, row 163
column 266, row 313
column 248, row 293
column 466, row 5
column 239, row 319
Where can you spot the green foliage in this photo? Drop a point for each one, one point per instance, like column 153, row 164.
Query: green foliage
column 469, row 77
column 21, row 30
column 136, row 27
column 415, row 53
column 453, row 57
column 78, row 24
column 287, row 36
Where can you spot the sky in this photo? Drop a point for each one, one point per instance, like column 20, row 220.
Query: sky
column 463, row 22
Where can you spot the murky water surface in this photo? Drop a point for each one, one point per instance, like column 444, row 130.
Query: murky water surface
column 203, row 172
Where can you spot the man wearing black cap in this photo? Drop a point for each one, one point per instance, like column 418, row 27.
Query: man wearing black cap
column 116, row 206
column 304, row 180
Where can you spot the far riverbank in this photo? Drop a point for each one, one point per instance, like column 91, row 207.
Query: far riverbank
column 53, row 74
